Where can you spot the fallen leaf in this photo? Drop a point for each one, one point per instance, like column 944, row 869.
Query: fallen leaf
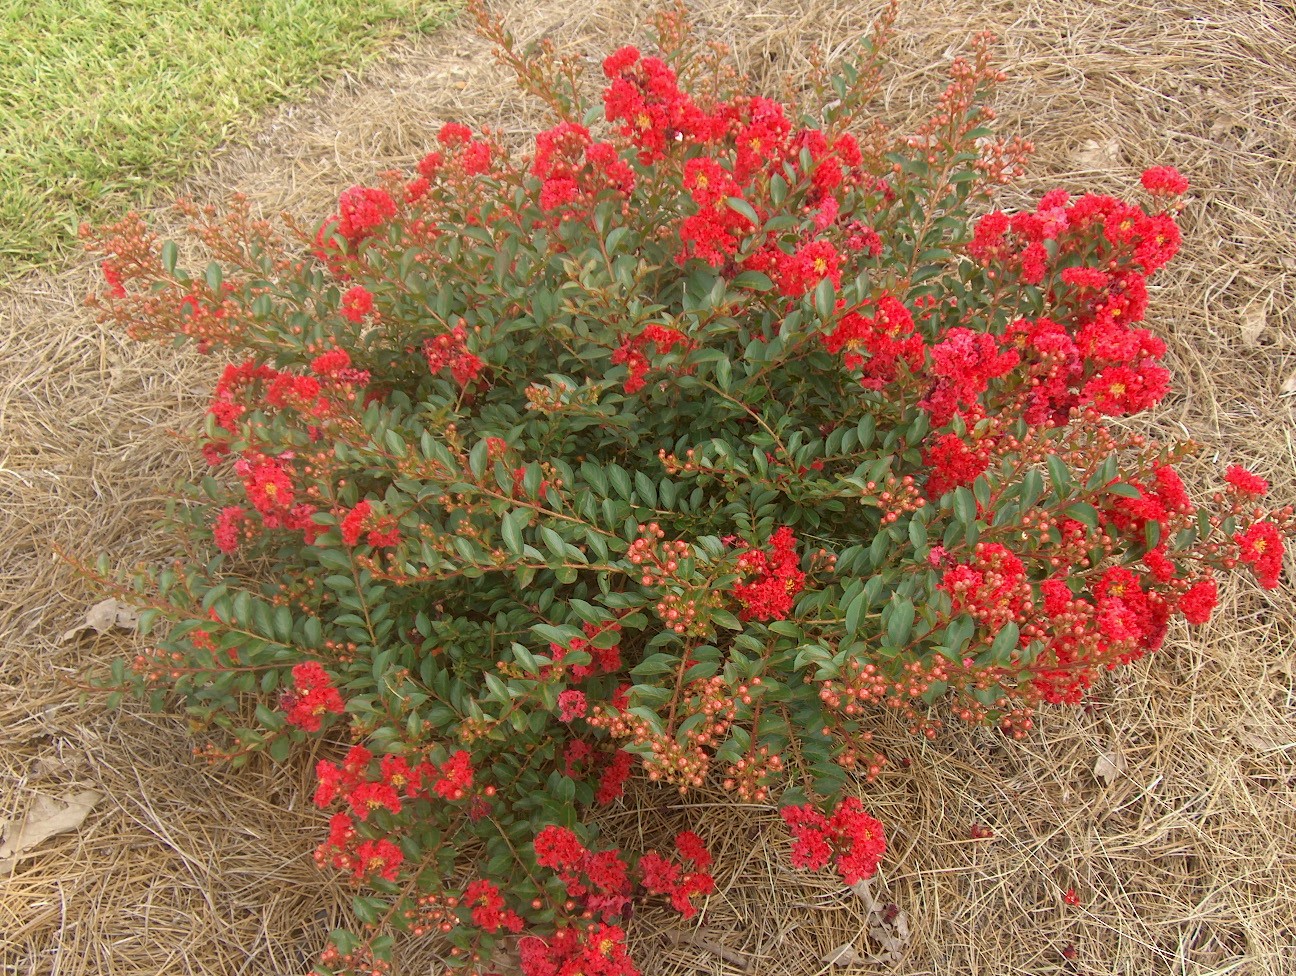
column 888, row 927
column 845, row 955
column 1109, row 766
column 104, row 616
column 46, row 818
column 1289, row 386
column 1095, row 155
column 1253, row 325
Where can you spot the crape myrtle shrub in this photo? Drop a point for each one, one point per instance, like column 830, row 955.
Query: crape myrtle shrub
column 682, row 446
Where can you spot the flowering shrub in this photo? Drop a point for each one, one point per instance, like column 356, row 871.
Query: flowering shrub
column 682, row 446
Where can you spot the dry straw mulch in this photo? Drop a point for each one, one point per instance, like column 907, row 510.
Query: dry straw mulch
column 1180, row 846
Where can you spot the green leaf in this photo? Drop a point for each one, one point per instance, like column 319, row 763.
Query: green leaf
column 170, row 255
column 511, row 531
column 899, row 623
column 659, row 663
column 1005, row 643
column 741, row 206
column 825, row 299
column 1059, row 475
column 753, row 281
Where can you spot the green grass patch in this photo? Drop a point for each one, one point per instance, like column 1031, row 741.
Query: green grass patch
column 104, row 102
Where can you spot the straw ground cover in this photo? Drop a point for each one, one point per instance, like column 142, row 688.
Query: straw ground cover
column 107, row 102
column 1169, row 807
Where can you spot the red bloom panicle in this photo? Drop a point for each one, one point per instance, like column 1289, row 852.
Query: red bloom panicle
column 851, row 835
column 455, row 777
column 361, row 210
column 357, row 303
column 450, row 351
column 270, row 490
column 1198, row 602
column 331, row 363
column 1164, row 181
column 229, row 528
column 379, row 858
column 313, row 697
column 778, row 578
column 1261, row 548
column 558, row 848
column 486, row 907
column 1245, row 482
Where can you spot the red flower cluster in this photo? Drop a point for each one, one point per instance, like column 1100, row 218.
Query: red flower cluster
column 802, row 270
column 230, row 528
column 850, row 835
column 778, row 578
column 602, row 879
column 382, row 532
column 964, row 362
column 663, row 877
column 361, row 210
column 312, row 698
column 632, row 352
column 396, row 780
column 331, row 363
column 1199, row 600
column 644, row 97
column 357, row 303
column 887, row 337
column 451, row 350
column 1164, row 181
column 604, row 660
column 486, row 908
column 1245, row 482
column 573, row 169
column 954, row 462
column 1261, row 548
column 992, row 589
column 595, row 950
column 714, row 232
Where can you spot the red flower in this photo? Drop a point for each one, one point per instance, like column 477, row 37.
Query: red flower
column 557, row 848
column 270, row 490
column 487, row 908
column 692, row 848
column 1196, row 604
column 1261, row 548
column 612, row 779
column 454, row 134
column 451, row 351
column 571, row 705
column 778, row 579
column 353, row 523
column 368, row 797
column 455, row 776
column 314, row 697
column 1164, row 181
column 361, row 209
column 380, row 857
column 356, row 304
column 616, row 62
column 332, row 362
column 229, row 528
column 1246, row 482
column 852, row 835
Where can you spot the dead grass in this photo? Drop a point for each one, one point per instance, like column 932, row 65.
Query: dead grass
column 1185, row 863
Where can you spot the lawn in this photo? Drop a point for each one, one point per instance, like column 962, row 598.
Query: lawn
column 107, row 101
